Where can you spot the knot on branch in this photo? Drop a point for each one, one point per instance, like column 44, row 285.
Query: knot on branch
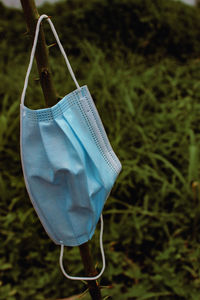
column 45, row 73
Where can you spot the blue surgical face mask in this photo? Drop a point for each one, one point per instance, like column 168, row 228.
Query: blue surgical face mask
column 68, row 164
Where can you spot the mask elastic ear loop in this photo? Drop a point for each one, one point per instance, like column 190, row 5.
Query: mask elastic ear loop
column 102, row 254
column 33, row 54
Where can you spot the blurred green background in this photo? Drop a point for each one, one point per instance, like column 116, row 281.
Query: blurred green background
column 141, row 62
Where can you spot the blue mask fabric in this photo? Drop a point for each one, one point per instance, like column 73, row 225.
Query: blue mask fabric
column 68, row 163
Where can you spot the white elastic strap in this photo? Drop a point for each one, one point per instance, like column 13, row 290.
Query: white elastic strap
column 102, row 254
column 33, row 54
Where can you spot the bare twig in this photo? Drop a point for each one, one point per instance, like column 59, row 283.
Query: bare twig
column 31, row 16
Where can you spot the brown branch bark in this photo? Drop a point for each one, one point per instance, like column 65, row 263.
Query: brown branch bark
column 90, row 271
column 31, row 16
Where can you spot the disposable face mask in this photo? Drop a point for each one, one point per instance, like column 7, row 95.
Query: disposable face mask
column 68, row 164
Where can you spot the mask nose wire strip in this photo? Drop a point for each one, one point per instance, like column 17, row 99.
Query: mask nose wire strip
column 33, row 54
column 102, row 254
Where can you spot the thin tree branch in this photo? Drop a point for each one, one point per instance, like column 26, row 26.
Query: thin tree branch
column 45, row 76
column 31, row 15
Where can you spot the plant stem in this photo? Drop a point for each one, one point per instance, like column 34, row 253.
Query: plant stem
column 41, row 54
column 90, row 270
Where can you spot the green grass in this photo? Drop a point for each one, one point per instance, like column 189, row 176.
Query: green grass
column 150, row 108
